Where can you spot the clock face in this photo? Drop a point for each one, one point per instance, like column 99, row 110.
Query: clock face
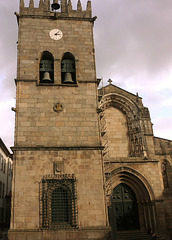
column 56, row 34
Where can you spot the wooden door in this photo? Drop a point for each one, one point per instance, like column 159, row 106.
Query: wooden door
column 124, row 206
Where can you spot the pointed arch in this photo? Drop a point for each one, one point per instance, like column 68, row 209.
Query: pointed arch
column 134, row 179
column 121, row 102
column 133, row 114
column 142, row 190
column 46, row 68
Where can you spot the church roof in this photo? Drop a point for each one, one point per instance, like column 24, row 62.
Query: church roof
column 5, row 149
column 111, row 88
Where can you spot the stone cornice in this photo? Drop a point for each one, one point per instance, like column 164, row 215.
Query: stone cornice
column 131, row 160
column 44, row 148
column 53, row 84
column 54, row 16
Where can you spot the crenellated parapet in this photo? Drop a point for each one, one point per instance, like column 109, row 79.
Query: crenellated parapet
column 66, row 9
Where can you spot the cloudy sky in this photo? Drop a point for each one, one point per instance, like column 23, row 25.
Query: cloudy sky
column 133, row 41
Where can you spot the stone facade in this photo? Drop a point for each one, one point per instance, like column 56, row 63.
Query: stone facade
column 57, row 135
column 133, row 156
column 71, row 140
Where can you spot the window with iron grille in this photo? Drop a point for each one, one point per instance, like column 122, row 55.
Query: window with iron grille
column 58, row 202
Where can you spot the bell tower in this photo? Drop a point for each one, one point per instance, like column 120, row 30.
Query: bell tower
column 58, row 183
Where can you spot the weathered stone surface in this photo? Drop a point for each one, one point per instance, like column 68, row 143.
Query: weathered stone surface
column 46, row 137
column 71, row 138
column 133, row 156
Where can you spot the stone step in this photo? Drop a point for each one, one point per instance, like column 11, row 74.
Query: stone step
column 133, row 235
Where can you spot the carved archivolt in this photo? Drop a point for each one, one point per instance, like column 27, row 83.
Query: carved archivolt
column 134, row 115
column 133, row 179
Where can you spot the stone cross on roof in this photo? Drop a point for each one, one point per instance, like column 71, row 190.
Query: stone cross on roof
column 110, row 81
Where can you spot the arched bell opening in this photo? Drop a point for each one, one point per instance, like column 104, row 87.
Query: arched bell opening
column 129, row 195
column 46, row 68
column 68, row 70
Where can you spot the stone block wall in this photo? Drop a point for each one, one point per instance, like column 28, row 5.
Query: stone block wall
column 38, row 124
column 46, row 135
column 31, row 166
column 124, row 118
column 115, row 126
column 34, row 38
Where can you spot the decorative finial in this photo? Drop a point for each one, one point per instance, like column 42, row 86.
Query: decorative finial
column 110, row 81
column 31, row 4
column 89, row 9
column 79, row 6
column 21, row 4
column 69, row 5
column 47, row 5
column 137, row 95
column 41, row 4
column 63, row 6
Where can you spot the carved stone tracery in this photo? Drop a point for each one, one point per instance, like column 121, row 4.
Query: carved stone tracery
column 164, row 173
column 137, row 142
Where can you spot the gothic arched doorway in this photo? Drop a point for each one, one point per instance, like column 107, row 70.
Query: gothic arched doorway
column 124, row 207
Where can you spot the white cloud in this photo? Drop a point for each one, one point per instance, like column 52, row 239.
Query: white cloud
column 162, row 126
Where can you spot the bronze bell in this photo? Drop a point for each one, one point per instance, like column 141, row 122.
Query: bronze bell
column 46, row 68
column 68, row 78
column 46, row 77
column 55, row 5
column 68, row 68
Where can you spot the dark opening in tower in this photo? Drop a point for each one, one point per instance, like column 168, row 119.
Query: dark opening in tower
column 68, row 70
column 46, row 68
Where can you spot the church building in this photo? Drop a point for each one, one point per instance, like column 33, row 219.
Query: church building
column 86, row 164
column 137, row 165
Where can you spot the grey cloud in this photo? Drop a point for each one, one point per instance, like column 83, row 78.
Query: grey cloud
column 133, row 47
column 134, row 35
column 8, row 48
